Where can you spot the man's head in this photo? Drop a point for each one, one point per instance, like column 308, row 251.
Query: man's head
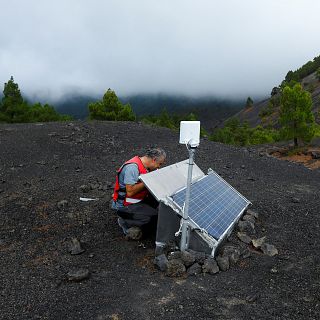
column 155, row 157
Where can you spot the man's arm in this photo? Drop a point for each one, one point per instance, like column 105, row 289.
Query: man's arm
column 134, row 189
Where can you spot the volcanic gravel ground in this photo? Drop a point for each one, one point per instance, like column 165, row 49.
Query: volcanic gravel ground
column 43, row 164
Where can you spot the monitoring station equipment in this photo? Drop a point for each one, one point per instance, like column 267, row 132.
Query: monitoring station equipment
column 196, row 210
column 190, row 136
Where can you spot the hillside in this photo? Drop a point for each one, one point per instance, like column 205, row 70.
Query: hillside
column 210, row 110
column 43, row 170
column 309, row 83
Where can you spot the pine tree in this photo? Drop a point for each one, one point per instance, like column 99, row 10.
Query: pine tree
column 11, row 94
column 110, row 108
column 296, row 117
column 249, row 103
column 13, row 108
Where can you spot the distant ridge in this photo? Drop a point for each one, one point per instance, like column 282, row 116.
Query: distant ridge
column 210, row 110
column 306, row 75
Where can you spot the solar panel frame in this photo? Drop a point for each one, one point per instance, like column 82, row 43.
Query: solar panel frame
column 228, row 206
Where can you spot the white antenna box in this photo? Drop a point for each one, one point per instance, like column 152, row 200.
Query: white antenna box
column 190, row 133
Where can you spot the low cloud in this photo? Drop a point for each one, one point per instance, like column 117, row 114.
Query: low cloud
column 228, row 49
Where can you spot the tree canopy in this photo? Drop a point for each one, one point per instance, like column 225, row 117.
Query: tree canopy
column 14, row 108
column 110, row 108
column 296, row 117
column 249, row 103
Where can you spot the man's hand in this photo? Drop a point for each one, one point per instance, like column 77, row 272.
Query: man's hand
column 134, row 189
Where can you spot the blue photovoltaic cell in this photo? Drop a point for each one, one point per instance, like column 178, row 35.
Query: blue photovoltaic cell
column 214, row 204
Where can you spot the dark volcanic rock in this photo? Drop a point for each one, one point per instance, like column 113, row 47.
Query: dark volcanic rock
column 223, row 262
column 194, row 269
column 199, row 256
column 243, row 237
column 174, row 255
column 249, row 217
column 233, row 254
column 78, row 275
column 246, row 226
column 269, row 249
column 210, row 266
column 62, row 204
column 84, row 188
column 175, row 268
column 245, row 253
column 75, row 247
column 295, row 200
column 257, row 243
column 161, row 262
column 188, row 258
column 252, row 213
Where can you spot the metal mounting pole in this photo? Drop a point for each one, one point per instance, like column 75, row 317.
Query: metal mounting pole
column 184, row 228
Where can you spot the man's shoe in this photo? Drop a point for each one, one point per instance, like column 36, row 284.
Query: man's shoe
column 123, row 225
column 134, row 233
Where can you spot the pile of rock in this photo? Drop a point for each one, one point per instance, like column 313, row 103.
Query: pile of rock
column 189, row 262
column 180, row 263
column 247, row 234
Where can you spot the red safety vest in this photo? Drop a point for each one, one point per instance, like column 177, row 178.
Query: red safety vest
column 138, row 196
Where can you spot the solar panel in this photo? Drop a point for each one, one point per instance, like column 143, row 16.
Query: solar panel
column 165, row 181
column 214, row 204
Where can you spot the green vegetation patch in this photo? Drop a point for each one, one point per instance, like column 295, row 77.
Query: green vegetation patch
column 171, row 121
column 305, row 70
column 14, row 109
column 241, row 134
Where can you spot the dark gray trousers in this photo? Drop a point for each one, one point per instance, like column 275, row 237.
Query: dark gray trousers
column 139, row 214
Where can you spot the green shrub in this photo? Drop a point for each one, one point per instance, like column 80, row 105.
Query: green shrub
column 171, row 121
column 241, row 134
column 317, row 130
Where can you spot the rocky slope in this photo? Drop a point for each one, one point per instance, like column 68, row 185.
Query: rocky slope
column 309, row 83
column 46, row 168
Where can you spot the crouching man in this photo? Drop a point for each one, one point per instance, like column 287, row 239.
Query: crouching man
column 136, row 208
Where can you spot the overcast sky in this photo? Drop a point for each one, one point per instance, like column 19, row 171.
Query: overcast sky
column 193, row 47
